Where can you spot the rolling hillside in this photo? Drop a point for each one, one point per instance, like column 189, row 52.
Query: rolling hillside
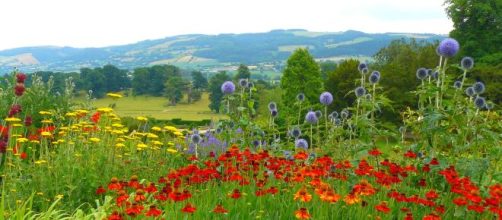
column 205, row 51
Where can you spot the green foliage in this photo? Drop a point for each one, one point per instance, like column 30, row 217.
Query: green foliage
column 174, row 87
column 215, row 94
column 341, row 82
column 151, row 80
column 198, row 80
column 477, row 27
column 326, row 68
column 301, row 75
column 102, row 80
column 242, row 73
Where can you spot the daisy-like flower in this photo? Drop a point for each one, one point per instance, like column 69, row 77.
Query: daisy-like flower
column 303, row 195
column 302, row 213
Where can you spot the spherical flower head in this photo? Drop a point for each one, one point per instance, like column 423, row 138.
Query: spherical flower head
column 435, row 75
column 360, row 91
column 479, row 87
column 489, row 105
column 470, row 91
column 272, row 106
column 422, row 73
column 311, row 117
column 243, row 83
column 337, row 121
column 256, row 143
column 467, row 63
column 195, row 138
column 28, row 121
column 480, row 102
column 302, row 143
column 250, row 84
column 300, row 97
column 274, row 113
column 296, row 132
column 448, row 47
column 334, row 114
column 228, row 87
column 345, row 114
column 20, row 77
column 318, row 113
column 362, row 66
column 326, row 98
column 457, row 84
column 374, row 77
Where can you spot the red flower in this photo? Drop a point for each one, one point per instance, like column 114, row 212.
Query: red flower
column 476, row 208
column 301, row 155
column 23, row 155
column 189, row 208
column 431, row 195
column 302, row 213
column 235, row 194
column 20, row 77
column 434, row 162
column 382, row 207
column 95, row 117
column 100, row 190
column 140, row 195
column 219, row 209
column 409, row 216
column 272, row 190
column 431, row 217
column 28, row 121
column 153, row 211
column 114, row 184
column 303, row 195
column 375, row 152
column 4, row 131
column 460, row 201
column 115, row 216
column 19, row 89
column 134, row 210
column 410, row 154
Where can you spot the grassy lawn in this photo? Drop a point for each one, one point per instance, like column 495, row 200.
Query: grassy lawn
column 156, row 107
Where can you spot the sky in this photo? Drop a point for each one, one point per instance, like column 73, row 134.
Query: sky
column 97, row 23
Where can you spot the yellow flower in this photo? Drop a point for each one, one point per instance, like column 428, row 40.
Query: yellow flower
column 170, row 143
column 47, row 121
column 94, row 139
column 170, row 128
column 82, row 111
column 12, row 119
column 141, row 118
column 114, row 95
column 153, row 136
column 117, row 125
column 142, row 145
column 158, row 143
column 45, row 112
column 17, row 125
column 155, row 128
column 105, row 110
column 35, row 141
column 39, row 162
column 71, row 114
column 178, row 133
column 46, row 134
column 40, row 193
column 22, row 140
column 59, row 196
column 119, row 145
column 172, row 150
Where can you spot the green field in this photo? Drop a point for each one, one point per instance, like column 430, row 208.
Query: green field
column 157, row 107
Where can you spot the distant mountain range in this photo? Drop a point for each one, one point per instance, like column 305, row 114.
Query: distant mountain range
column 199, row 51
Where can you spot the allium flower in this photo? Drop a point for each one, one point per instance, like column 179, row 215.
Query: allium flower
column 300, row 97
column 243, row 83
column 421, row 73
column 479, row 87
column 19, row 89
column 374, row 77
column 20, row 77
column 228, row 87
column 296, row 132
column 274, row 113
column 360, row 91
column 362, row 66
column 480, row 102
column 272, row 106
column 470, row 91
column 457, row 84
column 326, row 98
column 467, row 63
column 318, row 113
column 302, row 143
column 311, row 117
column 448, row 47
column 195, row 138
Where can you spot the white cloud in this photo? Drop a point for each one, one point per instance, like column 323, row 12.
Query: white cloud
column 84, row 23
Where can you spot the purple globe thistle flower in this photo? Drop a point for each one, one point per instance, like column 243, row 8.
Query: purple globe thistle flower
column 256, row 143
column 448, row 47
column 195, row 138
column 457, row 84
column 368, row 96
column 274, row 113
column 467, row 63
column 365, row 71
column 250, row 84
column 429, row 72
column 345, row 114
column 326, row 98
column 300, row 97
column 435, row 75
column 422, row 73
column 334, row 114
column 296, row 132
column 318, row 113
column 337, row 121
column 228, row 87
column 243, row 83
column 374, row 77
column 479, row 87
column 489, row 105
column 219, row 130
column 311, row 117
column 470, row 91
column 360, row 91
column 480, row 102
column 302, row 143
column 272, row 106
column 362, row 66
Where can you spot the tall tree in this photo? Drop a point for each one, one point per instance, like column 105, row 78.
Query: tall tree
column 174, row 88
column 301, row 75
column 478, row 28
column 94, row 80
column 115, row 79
column 341, row 81
column 242, row 72
column 215, row 94
column 198, row 80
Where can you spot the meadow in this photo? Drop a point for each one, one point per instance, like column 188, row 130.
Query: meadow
column 65, row 159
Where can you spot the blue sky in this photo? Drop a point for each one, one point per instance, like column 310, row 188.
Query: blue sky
column 96, row 23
